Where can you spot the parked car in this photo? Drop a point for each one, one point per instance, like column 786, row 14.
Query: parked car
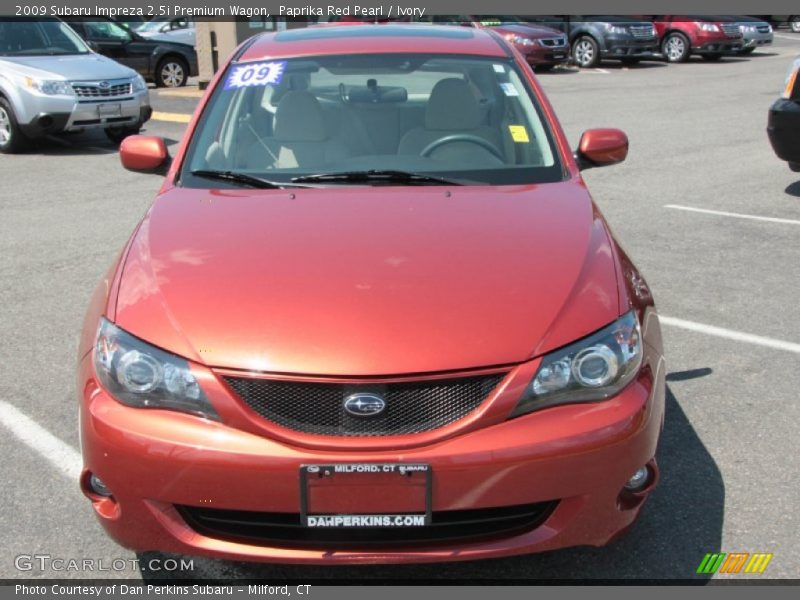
column 783, row 125
column 366, row 383
column 597, row 38
column 755, row 33
column 51, row 82
column 543, row 47
column 793, row 21
column 707, row 36
column 169, row 29
column 168, row 64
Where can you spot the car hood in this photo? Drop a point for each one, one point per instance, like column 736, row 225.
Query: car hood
column 72, row 67
column 369, row 280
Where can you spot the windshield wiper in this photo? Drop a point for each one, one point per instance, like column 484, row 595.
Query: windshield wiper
column 243, row 179
column 381, row 176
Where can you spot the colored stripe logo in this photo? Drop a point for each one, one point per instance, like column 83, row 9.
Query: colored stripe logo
column 734, row 563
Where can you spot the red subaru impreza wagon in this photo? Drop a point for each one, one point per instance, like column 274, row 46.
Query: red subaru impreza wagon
column 373, row 315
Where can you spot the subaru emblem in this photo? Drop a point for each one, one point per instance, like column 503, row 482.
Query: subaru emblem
column 104, row 84
column 364, row 405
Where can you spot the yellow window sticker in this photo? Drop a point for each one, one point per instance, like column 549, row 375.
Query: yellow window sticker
column 519, row 134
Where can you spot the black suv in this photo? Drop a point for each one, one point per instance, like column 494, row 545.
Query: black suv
column 595, row 38
column 168, row 64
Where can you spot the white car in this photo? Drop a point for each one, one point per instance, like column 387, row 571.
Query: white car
column 52, row 82
column 165, row 29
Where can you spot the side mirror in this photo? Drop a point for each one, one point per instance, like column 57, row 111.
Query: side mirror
column 92, row 45
column 144, row 153
column 601, row 147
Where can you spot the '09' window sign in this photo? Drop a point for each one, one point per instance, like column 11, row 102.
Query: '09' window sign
column 255, row 74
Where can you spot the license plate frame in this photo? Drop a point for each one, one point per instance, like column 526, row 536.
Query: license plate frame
column 109, row 110
column 347, row 520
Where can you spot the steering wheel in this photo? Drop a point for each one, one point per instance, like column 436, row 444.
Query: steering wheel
column 462, row 137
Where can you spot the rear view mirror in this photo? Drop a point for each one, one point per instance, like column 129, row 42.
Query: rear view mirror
column 601, row 147
column 144, row 153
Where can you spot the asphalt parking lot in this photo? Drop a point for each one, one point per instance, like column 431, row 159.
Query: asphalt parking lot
column 699, row 160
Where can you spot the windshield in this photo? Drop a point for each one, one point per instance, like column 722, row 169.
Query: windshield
column 153, row 26
column 456, row 117
column 42, row 37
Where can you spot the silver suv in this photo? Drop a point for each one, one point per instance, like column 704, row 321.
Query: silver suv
column 52, row 82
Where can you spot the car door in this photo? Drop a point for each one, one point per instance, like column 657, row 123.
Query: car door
column 117, row 42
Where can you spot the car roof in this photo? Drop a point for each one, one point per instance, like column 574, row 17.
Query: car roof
column 374, row 38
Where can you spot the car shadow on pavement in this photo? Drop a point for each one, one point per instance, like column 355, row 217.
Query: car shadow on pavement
column 681, row 522
column 78, row 145
column 650, row 63
column 793, row 189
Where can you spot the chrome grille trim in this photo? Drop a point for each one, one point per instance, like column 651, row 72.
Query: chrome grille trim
column 102, row 89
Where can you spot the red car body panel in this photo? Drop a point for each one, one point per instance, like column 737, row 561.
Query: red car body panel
column 534, row 55
column 391, row 286
column 699, row 39
column 360, row 284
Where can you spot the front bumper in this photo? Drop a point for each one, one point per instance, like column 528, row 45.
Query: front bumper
column 579, row 456
column 783, row 130
column 627, row 46
column 58, row 114
column 545, row 55
column 718, row 45
column 755, row 40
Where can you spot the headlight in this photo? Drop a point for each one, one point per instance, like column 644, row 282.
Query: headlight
column 139, row 84
column 140, row 375
column 615, row 29
column 518, row 39
column 595, row 368
column 707, row 26
column 55, row 87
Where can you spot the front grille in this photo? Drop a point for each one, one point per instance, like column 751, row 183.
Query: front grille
column 641, row 32
column 730, row 29
column 554, row 42
column 95, row 90
column 284, row 529
column 318, row 408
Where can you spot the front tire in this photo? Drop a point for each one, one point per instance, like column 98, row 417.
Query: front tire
column 586, row 52
column 676, row 47
column 172, row 72
column 12, row 140
column 117, row 134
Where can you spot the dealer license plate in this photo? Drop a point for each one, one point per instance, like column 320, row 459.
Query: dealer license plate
column 109, row 110
column 351, row 495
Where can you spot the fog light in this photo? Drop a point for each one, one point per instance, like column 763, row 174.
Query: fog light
column 639, row 480
column 98, row 487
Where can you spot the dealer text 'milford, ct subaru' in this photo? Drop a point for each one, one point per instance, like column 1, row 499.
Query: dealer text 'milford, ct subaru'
column 373, row 315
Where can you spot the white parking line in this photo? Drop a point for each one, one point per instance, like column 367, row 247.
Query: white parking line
column 731, row 334
column 794, row 38
column 62, row 456
column 722, row 213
